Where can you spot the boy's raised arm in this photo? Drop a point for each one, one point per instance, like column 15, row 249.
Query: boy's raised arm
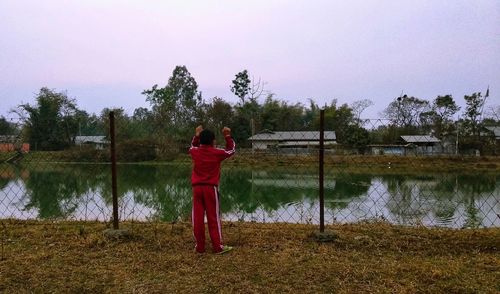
column 230, row 145
column 195, row 142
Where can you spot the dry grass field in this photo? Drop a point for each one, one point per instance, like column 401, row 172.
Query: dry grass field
column 75, row 257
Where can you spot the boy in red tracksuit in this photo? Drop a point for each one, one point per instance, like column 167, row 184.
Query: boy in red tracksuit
column 205, row 181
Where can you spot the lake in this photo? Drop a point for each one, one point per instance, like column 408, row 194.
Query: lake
column 163, row 192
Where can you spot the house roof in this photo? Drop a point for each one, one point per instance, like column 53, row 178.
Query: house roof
column 91, row 139
column 303, row 143
column 495, row 130
column 293, row 136
column 420, row 139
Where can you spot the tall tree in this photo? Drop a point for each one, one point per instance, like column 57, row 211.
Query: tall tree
column 246, row 120
column 280, row 116
column 406, row 111
column 219, row 113
column 142, row 123
column 443, row 109
column 359, row 106
column 52, row 123
column 175, row 106
column 310, row 115
column 338, row 119
column 123, row 126
column 244, row 87
column 241, row 85
column 472, row 113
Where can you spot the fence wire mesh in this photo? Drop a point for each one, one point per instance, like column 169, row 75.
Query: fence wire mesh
column 273, row 178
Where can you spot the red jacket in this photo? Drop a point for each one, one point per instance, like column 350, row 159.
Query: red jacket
column 207, row 159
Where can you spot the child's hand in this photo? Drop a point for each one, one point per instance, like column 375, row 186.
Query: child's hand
column 198, row 130
column 226, row 131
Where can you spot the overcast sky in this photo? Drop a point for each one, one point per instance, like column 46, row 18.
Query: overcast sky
column 105, row 52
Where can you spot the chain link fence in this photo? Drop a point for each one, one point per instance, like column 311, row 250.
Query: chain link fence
column 273, row 178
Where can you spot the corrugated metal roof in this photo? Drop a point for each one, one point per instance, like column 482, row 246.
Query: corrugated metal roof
column 91, row 139
column 495, row 130
column 303, row 143
column 292, row 136
column 420, row 139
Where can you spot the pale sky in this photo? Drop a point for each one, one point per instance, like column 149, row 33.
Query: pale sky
column 105, row 52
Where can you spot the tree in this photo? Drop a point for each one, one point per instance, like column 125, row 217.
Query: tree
column 142, row 123
column 123, row 127
column 219, row 113
column 89, row 124
column 338, row 119
column 241, row 85
column 359, row 106
column 52, row 123
column 246, row 120
column 357, row 137
column 244, row 87
column 6, row 127
column 280, row 116
column 493, row 113
column 472, row 114
column 406, row 111
column 310, row 115
column 441, row 114
column 175, row 106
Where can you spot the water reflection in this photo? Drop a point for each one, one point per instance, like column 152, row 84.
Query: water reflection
column 163, row 192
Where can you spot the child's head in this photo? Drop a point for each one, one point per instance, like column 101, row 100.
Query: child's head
column 207, row 137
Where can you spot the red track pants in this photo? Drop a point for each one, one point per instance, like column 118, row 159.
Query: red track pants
column 206, row 198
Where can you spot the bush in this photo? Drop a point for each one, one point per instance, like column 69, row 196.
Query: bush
column 136, row 150
column 85, row 153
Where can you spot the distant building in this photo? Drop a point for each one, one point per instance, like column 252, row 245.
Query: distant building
column 495, row 131
column 422, row 145
column 296, row 140
column 409, row 145
column 99, row 142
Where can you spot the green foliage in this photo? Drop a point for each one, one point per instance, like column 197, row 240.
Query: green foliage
column 357, row 138
column 142, row 123
column 176, row 106
column 241, row 85
column 472, row 114
column 90, row 124
column 6, row 127
column 123, row 127
column 338, row 119
column 218, row 114
column 52, row 123
column 439, row 119
column 246, row 120
column 279, row 115
column 136, row 150
column 84, row 153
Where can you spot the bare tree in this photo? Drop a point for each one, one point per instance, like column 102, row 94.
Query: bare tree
column 257, row 89
column 493, row 112
column 359, row 106
column 244, row 87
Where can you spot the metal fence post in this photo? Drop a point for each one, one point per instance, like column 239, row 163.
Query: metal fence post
column 113, row 169
column 321, row 171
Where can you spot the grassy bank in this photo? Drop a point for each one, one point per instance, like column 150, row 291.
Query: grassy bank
column 366, row 258
column 341, row 163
